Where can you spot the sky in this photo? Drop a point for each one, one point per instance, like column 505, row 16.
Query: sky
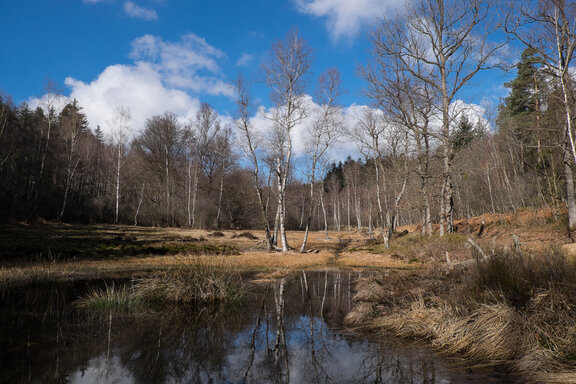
column 154, row 56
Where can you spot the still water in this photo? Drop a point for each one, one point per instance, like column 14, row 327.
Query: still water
column 288, row 332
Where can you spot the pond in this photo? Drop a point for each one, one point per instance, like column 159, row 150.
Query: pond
column 288, row 332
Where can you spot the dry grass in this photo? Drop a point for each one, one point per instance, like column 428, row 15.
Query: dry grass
column 195, row 280
column 516, row 309
column 362, row 314
column 110, row 298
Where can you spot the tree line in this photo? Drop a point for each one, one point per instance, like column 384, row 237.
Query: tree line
column 426, row 158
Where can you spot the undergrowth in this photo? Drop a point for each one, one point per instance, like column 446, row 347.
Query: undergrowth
column 516, row 309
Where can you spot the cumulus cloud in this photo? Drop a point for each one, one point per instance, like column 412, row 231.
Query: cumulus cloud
column 345, row 18
column 190, row 63
column 139, row 88
column 165, row 77
column 137, row 12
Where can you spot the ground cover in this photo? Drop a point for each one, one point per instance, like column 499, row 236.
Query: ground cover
column 506, row 298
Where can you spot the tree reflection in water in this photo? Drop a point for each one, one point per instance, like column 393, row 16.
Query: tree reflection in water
column 290, row 331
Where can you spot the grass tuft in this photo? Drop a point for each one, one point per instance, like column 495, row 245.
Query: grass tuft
column 196, row 280
column 110, row 298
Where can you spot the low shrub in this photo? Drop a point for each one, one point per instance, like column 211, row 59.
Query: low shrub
column 246, row 235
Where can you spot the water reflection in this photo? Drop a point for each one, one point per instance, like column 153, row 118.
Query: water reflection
column 290, row 332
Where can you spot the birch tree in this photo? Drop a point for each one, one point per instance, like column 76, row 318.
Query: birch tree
column 4, row 109
column 450, row 39
column 369, row 135
column 285, row 73
column 119, row 125
column 206, row 127
column 411, row 104
column 323, row 133
column 161, row 147
column 224, row 159
column 51, row 100
column 251, row 148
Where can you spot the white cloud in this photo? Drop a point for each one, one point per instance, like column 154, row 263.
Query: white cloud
column 137, row 12
column 351, row 115
column 244, row 59
column 138, row 88
column 345, row 18
column 263, row 129
column 190, row 63
column 165, row 76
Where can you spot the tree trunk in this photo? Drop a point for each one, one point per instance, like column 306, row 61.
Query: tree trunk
column 570, row 197
column 139, row 205
column 195, row 194
column 348, row 208
column 220, row 201
column 118, row 165
column 379, row 202
column 309, row 218
column 189, row 193
column 167, row 174
column 324, row 210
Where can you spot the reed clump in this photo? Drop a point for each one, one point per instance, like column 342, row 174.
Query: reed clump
column 201, row 282
column 516, row 309
column 110, row 298
column 195, row 280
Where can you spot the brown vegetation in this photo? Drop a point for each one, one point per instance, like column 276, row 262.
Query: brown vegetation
column 516, row 309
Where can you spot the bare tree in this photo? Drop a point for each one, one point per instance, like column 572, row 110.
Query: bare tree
column 161, row 147
column 224, row 159
column 410, row 103
column 207, row 126
column 450, row 39
column 322, row 205
column 51, row 100
column 251, row 148
column 549, row 28
column 285, row 77
column 4, row 108
column 369, row 134
column 119, row 126
column 323, row 133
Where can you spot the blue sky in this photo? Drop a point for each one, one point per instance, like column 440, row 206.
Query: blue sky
column 159, row 55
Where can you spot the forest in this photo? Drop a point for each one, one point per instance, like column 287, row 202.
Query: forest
column 425, row 159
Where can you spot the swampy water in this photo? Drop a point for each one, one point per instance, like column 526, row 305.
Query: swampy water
column 288, row 332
